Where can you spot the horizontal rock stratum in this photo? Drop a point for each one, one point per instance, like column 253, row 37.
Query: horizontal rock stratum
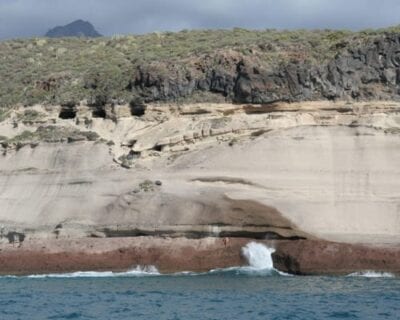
column 303, row 175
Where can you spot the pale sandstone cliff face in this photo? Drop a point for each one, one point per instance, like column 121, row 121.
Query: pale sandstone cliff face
column 288, row 171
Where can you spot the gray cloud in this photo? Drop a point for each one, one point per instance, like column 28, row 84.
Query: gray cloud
column 25, row 18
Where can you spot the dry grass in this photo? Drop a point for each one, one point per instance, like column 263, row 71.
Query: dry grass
column 67, row 70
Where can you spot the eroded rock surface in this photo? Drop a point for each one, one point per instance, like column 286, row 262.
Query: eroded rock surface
column 298, row 172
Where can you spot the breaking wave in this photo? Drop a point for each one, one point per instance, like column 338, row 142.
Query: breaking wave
column 259, row 258
column 139, row 271
column 372, row 274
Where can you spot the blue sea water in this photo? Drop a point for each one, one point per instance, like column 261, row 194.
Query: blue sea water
column 229, row 294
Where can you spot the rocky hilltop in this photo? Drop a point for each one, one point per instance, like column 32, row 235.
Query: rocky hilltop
column 239, row 66
column 78, row 28
column 180, row 158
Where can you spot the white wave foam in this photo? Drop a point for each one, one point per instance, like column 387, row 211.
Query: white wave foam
column 260, row 260
column 258, row 256
column 139, row 271
column 249, row 271
column 372, row 274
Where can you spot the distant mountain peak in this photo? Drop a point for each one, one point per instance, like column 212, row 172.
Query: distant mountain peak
column 78, row 28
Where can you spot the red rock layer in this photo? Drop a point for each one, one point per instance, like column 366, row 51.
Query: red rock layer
column 168, row 255
column 306, row 257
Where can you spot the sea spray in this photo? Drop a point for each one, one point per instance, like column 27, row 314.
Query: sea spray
column 258, row 256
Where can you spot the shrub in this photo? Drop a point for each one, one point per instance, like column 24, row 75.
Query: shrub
column 99, row 70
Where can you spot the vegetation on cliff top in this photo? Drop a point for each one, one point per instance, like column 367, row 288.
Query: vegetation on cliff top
column 68, row 70
column 49, row 134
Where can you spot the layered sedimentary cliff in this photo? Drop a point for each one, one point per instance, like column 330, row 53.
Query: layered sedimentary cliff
column 301, row 155
column 300, row 171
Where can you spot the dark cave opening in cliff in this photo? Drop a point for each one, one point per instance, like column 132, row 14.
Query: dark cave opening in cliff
column 99, row 113
column 158, row 148
column 138, row 110
column 67, row 113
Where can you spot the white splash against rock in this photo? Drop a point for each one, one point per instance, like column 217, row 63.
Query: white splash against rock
column 258, row 256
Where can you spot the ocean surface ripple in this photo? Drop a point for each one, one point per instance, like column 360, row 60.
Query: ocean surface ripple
column 216, row 295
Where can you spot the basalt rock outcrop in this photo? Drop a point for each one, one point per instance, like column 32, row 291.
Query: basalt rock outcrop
column 257, row 67
column 367, row 71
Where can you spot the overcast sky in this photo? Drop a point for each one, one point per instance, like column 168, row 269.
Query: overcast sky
column 26, row 18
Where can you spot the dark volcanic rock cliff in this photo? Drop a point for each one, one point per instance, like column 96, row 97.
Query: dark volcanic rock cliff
column 237, row 66
column 78, row 28
column 368, row 71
